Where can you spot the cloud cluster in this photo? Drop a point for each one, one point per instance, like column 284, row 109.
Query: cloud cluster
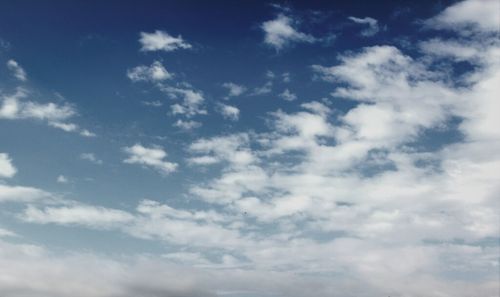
column 360, row 194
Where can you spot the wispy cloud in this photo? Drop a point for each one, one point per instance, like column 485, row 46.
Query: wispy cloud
column 17, row 70
column 149, row 157
column 162, row 41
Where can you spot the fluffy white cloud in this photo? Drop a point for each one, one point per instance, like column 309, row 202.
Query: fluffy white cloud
column 7, row 169
column 149, row 157
column 234, row 89
column 161, row 40
column 372, row 24
column 229, row 112
column 280, row 33
column 322, row 192
column 478, row 14
column 153, row 73
column 22, row 194
column 17, row 70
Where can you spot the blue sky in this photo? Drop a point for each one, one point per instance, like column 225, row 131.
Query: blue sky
column 237, row 148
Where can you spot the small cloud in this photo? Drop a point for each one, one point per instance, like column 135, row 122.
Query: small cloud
column 17, row 70
column 155, row 72
column 7, row 169
column 234, row 89
column 287, row 95
column 286, row 77
column 264, row 89
column 187, row 125
column 372, row 24
column 149, row 157
column 62, row 179
column 87, row 133
column 161, row 40
column 280, row 33
column 68, row 127
column 90, row 157
column 155, row 103
column 229, row 112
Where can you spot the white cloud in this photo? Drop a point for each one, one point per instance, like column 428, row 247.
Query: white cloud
column 232, row 148
column 161, row 40
column 7, row 233
column 97, row 217
column 286, row 77
column 372, row 24
column 478, row 14
column 229, row 112
column 87, row 133
column 7, row 169
column 234, row 89
column 62, row 179
column 22, row 194
column 15, row 107
column 17, row 70
column 264, row 89
column 287, row 95
column 321, row 192
column 191, row 103
column 280, row 33
column 90, row 157
column 187, row 125
column 68, row 127
column 155, row 72
column 149, row 157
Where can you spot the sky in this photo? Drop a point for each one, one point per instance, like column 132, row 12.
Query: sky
column 249, row 148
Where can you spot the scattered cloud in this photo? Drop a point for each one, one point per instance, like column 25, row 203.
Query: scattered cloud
column 234, row 90
column 91, row 157
column 15, row 107
column 78, row 214
column 7, row 169
column 187, row 125
column 229, row 112
column 17, row 70
column 264, row 89
column 286, row 77
column 372, row 24
column 149, row 157
column 22, row 194
column 155, row 103
column 191, row 101
column 162, row 41
column 155, row 72
column 280, row 33
column 287, row 95
column 62, row 179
